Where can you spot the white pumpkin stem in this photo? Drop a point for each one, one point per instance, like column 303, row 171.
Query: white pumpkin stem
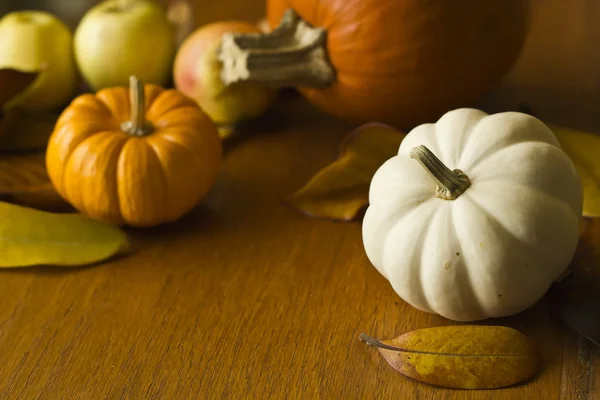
column 293, row 54
column 451, row 184
column 137, row 124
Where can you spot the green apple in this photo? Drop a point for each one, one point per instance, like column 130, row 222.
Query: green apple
column 119, row 38
column 34, row 40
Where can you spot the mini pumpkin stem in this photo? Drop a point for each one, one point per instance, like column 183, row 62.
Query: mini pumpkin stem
column 293, row 54
column 137, row 124
column 451, row 184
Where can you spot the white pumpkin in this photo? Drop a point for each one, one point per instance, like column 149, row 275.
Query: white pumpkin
column 492, row 245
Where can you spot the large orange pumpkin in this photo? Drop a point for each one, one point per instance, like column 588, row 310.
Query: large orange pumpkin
column 138, row 158
column 403, row 62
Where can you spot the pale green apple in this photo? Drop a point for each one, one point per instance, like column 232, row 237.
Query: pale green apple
column 119, row 38
column 34, row 40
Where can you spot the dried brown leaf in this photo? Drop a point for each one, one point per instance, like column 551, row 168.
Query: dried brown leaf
column 13, row 82
column 341, row 190
column 24, row 181
column 462, row 356
column 22, row 130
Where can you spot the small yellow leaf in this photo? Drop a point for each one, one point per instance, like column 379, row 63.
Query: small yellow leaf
column 462, row 356
column 31, row 237
column 24, row 181
column 341, row 190
column 584, row 149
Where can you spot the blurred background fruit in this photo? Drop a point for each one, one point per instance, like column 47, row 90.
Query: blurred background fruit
column 34, row 41
column 196, row 73
column 538, row 77
column 201, row 12
column 119, row 38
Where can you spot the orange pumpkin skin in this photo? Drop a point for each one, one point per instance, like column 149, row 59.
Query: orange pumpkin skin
column 113, row 176
column 406, row 62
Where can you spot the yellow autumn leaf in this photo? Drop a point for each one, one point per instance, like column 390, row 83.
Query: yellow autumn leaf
column 584, row 149
column 341, row 190
column 31, row 237
column 462, row 356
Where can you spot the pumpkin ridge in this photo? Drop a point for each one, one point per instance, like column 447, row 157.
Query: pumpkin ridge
column 396, row 218
column 165, row 182
column 75, row 141
column 537, row 133
column 441, row 152
column 163, row 177
column 109, row 137
column 556, row 202
column 162, row 121
column 417, row 256
column 463, row 146
column 168, row 137
column 124, row 202
column 165, row 102
column 467, row 145
column 420, row 135
column 108, row 96
column 465, row 139
column 411, row 202
column 550, row 197
column 466, row 268
column 193, row 155
column 426, row 238
column 493, row 150
column 67, row 159
column 497, row 225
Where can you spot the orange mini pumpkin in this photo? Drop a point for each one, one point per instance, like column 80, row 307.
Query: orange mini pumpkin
column 138, row 158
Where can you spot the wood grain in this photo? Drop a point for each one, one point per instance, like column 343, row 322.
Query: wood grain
column 245, row 298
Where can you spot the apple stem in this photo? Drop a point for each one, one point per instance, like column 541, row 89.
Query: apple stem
column 137, row 124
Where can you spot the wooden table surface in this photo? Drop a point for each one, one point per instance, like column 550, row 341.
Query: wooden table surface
column 244, row 298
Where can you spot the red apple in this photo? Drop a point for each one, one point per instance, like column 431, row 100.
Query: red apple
column 197, row 71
